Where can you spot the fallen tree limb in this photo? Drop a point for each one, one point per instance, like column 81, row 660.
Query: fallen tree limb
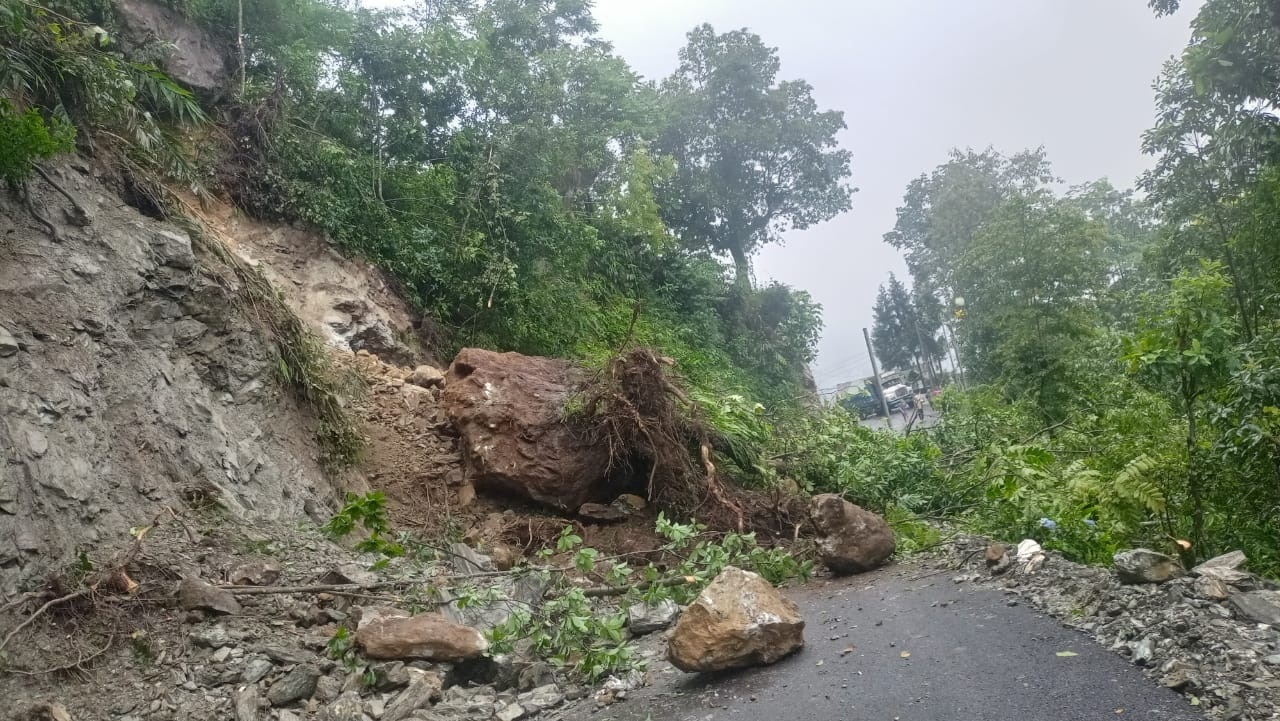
column 40, row 611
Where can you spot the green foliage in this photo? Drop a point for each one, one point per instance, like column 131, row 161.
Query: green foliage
column 26, row 138
column 368, row 511
column 570, row 630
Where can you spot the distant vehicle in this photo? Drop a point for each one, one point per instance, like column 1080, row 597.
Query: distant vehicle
column 863, row 404
column 898, row 396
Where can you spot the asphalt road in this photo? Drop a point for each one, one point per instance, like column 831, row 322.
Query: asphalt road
column 972, row 657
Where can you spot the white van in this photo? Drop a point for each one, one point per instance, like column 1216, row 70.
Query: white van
column 897, row 395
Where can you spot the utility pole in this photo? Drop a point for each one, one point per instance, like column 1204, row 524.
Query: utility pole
column 875, row 373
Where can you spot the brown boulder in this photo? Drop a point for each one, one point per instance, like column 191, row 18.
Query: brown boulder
column 850, row 539
column 739, row 620
column 508, row 409
column 427, row 636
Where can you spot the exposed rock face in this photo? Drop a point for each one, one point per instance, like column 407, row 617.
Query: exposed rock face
column 136, row 384
column 739, row 620
column 1141, row 565
column 427, row 636
column 508, row 409
column 850, row 539
column 194, row 58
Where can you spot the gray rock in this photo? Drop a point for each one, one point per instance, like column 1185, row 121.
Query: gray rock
column 347, row 707
column 1144, row 651
column 1230, row 561
column 424, row 688
column 538, row 673
column 255, row 669
column 1258, row 606
column 1142, row 565
column 509, row 712
column 173, row 248
column 298, row 684
column 350, row 573
column 1230, row 576
column 1273, row 660
column 541, row 698
column 467, row 560
column 286, row 654
column 8, row 344
column 328, row 688
column 210, row 637
column 193, row 57
column 221, row 655
column 644, row 618
column 390, row 675
column 1211, row 588
column 257, row 573
column 247, row 703
column 195, row 594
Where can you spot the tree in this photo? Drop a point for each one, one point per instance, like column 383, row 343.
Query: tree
column 754, row 156
column 888, row 330
column 1186, row 348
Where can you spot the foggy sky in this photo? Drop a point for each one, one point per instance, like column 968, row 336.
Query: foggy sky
column 916, row 78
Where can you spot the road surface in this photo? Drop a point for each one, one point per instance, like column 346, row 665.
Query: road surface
column 972, row 657
column 930, row 417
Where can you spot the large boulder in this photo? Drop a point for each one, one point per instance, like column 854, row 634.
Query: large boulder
column 427, row 636
column 509, row 410
column 190, row 54
column 739, row 620
column 850, row 539
column 1142, row 565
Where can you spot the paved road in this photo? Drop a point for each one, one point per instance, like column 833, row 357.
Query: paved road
column 972, row 657
column 897, row 423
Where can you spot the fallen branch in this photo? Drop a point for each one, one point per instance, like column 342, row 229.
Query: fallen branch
column 602, row 591
column 82, row 214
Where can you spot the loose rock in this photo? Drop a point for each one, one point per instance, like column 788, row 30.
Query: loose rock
column 424, row 688
column 247, row 703
column 195, row 594
column 738, row 620
column 300, row 683
column 428, row 636
column 1230, row 561
column 427, row 376
column 850, row 539
column 347, row 707
column 1141, row 565
column 644, row 618
column 1258, row 606
column 8, row 344
column 258, row 573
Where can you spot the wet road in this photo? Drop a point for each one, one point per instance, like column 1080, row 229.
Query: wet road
column 892, row 646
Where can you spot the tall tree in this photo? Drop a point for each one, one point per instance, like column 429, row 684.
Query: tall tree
column 754, row 156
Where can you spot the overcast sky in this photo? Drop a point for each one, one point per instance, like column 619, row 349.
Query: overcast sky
column 916, row 78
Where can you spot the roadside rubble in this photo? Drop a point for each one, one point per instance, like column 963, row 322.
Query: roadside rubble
column 1212, row 634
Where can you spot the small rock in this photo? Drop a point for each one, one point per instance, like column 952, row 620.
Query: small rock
column 428, row 636
column 328, row 688
column 350, row 573
column 467, row 560
column 8, row 344
column 1273, row 660
column 538, row 673
column 258, row 573
column 255, row 670
column 738, row 620
column 631, row 503
column 286, row 654
column 390, row 675
column 600, row 513
column 1211, row 588
column 510, row 712
column 221, row 655
column 1141, row 565
column 427, row 376
column 1027, row 548
column 1228, row 575
column 643, row 618
column 211, row 637
column 424, row 687
column 298, row 684
column 1258, row 606
column 347, row 707
column 541, row 698
column 247, row 703
column 505, row 557
column 1144, row 651
column 996, row 553
column 195, row 594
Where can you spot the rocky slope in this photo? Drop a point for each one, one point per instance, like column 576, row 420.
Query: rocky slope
column 131, row 381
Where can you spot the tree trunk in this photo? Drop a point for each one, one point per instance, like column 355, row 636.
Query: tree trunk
column 1194, row 489
column 741, row 267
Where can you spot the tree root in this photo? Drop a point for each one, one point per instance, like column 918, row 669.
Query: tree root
column 35, row 213
column 82, row 216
